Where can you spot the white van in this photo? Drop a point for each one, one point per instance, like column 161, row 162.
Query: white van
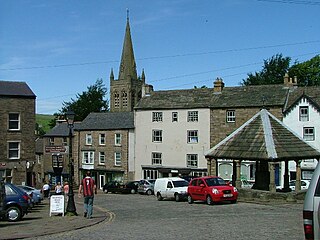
column 172, row 187
column 311, row 207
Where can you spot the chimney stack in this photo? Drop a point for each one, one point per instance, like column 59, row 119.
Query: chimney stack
column 218, row 85
column 290, row 82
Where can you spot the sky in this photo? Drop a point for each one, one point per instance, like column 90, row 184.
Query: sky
column 60, row 48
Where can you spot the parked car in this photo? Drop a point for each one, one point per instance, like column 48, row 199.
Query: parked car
column 174, row 187
column 304, row 184
column 16, row 203
column 146, row 186
column 117, row 187
column 36, row 194
column 212, row 190
column 246, row 184
column 311, row 207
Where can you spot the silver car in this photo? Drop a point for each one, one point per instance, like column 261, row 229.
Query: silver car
column 311, row 207
column 146, row 186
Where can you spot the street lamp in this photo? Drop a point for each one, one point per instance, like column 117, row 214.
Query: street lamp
column 71, row 207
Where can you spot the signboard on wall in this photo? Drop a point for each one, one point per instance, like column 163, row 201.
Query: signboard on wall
column 56, row 149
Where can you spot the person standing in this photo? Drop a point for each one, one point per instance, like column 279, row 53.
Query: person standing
column 58, row 188
column 46, row 190
column 66, row 189
column 88, row 188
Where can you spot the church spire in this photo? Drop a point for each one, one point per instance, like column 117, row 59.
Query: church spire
column 128, row 64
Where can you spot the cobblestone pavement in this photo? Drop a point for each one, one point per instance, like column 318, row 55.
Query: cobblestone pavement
column 137, row 217
column 39, row 223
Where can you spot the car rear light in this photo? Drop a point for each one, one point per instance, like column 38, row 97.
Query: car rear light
column 308, row 225
column 25, row 197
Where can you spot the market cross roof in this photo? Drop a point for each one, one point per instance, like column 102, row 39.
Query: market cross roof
column 263, row 137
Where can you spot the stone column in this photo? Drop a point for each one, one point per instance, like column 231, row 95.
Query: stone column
column 209, row 166
column 286, row 177
column 272, row 184
column 238, row 175
column 298, row 175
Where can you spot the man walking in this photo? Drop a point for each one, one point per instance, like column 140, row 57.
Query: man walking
column 88, row 187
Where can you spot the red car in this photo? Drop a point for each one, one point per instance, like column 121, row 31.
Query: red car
column 212, row 190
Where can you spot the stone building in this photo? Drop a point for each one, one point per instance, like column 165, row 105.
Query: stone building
column 17, row 130
column 105, row 146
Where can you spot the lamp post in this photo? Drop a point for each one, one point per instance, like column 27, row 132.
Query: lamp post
column 71, row 207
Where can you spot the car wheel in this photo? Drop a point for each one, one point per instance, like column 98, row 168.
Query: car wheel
column 190, row 200
column 159, row 197
column 133, row 191
column 209, row 200
column 177, row 197
column 14, row 214
column 149, row 192
column 105, row 190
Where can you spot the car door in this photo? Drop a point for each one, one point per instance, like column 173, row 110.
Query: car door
column 169, row 190
column 201, row 190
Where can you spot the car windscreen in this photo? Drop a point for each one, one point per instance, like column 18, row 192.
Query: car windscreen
column 180, row 183
column 215, row 182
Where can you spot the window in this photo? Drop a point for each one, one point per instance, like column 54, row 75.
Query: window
column 117, row 139
column 192, row 136
column 117, row 158
column 88, row 139
column 116, row 100
column 102, row 139
column 174, row 117
column 51, row 141
column 304, row 114
column 192, row 116
column 14, row 121
column 157, row 117
column 14, row 150
column 88, row 157
column 308, row 133
column 150, row 174
column 156, row 158
column 156, row 135
column 102, row 158
column 64, row 141
column 231, row 116
column 192, row 160
column 124, row 99
column 57, row 160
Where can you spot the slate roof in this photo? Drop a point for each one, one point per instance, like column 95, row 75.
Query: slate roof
column 263, row 137
column 39, row 145
column 61, row 130
column 15, row 89
column 312, row 93
column 230, row 97
column 108, row 121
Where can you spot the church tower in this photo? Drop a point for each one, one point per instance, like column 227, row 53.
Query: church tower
column 126, row 91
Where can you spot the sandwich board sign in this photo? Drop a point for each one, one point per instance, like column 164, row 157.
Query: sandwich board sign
column 57, row 204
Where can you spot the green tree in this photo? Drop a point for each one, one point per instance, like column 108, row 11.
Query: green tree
column 92, row 100
column 271, row 73
column 308, row 72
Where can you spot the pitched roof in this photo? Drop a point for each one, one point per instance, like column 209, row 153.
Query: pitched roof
column 61, row 130
column 263, row 137
column 15, row 89
column 230, row 97
column 311, row 93
column 108, row 121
